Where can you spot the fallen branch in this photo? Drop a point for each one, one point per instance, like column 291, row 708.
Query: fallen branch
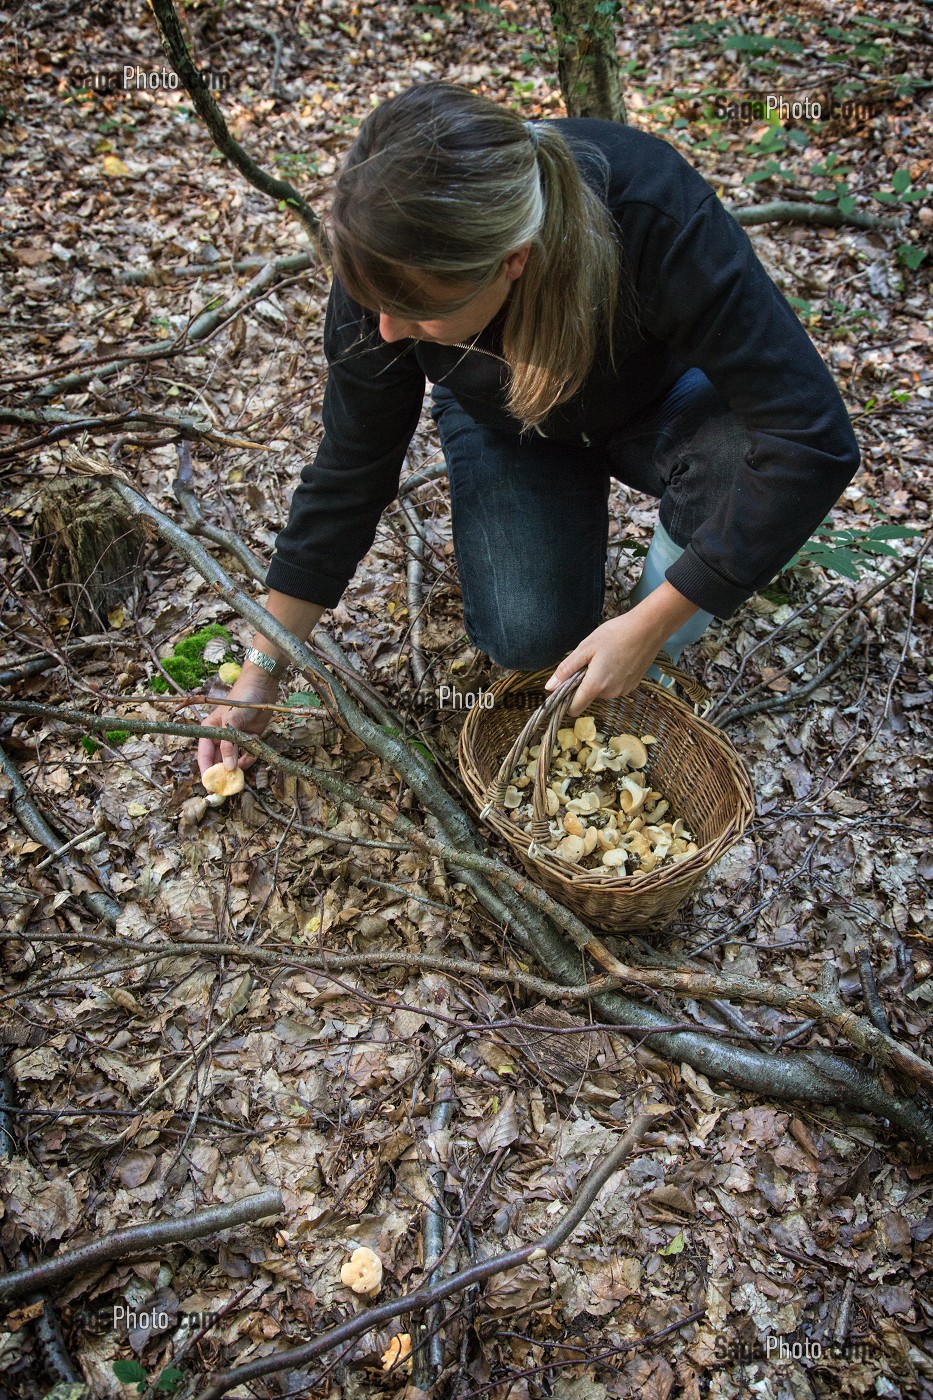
column 870, row 991
column 788, row 211
column 793, row 698
column 37, row 664
column 156, row 276
column 140, row 1240
column 428, row 1297
column 62, row 424
column 71, row 874
column 414, row 595
column 205, row 106
column 199, row 330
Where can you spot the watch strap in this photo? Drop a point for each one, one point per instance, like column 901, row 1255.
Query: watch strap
column 266, row 663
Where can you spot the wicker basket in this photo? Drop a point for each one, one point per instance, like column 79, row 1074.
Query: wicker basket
column 692, row 763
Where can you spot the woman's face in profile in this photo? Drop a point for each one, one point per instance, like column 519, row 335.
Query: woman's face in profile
column 468, row 320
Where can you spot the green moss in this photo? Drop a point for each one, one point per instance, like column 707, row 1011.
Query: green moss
column 116, row 736
column 90, row 746
column 186, row 665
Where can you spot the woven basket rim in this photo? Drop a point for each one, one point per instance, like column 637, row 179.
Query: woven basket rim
column 642, row 882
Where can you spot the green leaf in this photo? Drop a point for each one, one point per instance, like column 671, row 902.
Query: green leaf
column 128, row 1371
column 913, row 196
column 169, row 1379
column 824, row 196
column 799, row 304
column 676, row 1245
column 900, row 181
column 885, row 197
column 877, row 547
column 840, row 561
column 846, row 204
column 893, row 532
column 761, row 44
column 910, row 256
column 422, row 749
column 304, row 698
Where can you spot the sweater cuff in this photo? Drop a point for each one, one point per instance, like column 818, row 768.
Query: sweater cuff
column 705, row 587
column 307, row 584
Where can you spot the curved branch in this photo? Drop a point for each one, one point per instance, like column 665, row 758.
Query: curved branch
column 101, row 905
column 205, row 106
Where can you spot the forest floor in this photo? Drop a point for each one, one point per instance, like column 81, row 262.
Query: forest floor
column 757, row 1219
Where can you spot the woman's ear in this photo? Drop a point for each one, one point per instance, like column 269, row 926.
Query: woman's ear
column 515, row 262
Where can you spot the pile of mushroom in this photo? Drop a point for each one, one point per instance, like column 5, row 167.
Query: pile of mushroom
column 605, row 816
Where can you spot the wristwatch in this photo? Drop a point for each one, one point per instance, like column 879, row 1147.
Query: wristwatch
column 259, row 658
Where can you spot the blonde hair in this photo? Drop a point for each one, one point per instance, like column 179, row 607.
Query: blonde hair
column 444, row 183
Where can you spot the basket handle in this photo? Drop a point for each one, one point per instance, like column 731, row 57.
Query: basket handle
column 496, row 792
column 695, row 691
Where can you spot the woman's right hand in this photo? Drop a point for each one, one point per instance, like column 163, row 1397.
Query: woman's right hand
column 253, row 686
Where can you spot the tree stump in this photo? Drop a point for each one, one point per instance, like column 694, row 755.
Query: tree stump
column 87, row 549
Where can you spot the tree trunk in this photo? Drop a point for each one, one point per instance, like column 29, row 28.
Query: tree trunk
column 587, row 63
column 87, row 549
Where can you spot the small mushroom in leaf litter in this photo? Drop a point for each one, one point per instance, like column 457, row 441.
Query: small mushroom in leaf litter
column 363, row 1271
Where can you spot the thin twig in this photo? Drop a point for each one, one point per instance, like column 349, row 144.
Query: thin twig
column 140, row 1240
column 792, row 697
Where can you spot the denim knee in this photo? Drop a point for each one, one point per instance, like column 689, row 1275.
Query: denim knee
column 530, row 648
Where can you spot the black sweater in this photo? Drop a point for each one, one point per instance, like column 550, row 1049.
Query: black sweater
column 703, row 300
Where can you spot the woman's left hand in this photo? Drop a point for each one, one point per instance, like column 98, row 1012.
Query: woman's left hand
column 619, row 652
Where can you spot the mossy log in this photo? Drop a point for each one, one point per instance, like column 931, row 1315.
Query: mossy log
column 87, row 549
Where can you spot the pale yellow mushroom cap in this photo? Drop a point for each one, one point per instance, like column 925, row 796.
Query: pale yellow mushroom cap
column 397, row 1352
column 585, row 728
column 636, row 755
column 363, row 1271
column 222, row 781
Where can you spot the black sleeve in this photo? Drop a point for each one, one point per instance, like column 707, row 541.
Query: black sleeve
column 712, row 302
column 372, row 402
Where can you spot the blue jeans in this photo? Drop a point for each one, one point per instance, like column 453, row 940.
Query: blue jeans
column 531, row 519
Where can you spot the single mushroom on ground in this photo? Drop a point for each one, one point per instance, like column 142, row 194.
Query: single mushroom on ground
column 398, row 1352
column 363, row 1271
column 223, row 782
